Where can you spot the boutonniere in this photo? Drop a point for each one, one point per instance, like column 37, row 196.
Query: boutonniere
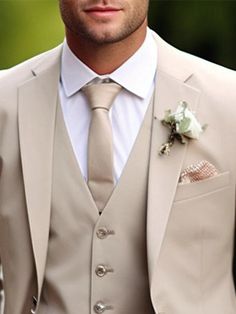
column 182, row 124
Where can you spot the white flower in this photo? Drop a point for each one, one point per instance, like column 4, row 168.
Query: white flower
column 186, row 122
column 182, row 124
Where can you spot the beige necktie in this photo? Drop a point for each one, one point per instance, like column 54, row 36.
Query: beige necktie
column 100, row 145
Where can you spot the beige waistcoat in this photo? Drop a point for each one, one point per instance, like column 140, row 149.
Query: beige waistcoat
column 92, row 259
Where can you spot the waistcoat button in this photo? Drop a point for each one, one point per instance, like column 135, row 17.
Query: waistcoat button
column 100, row 270
column 103, row 232
column 99, row 307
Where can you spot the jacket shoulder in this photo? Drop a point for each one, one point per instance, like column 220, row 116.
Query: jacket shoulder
column 183, row 65
column 13, row 77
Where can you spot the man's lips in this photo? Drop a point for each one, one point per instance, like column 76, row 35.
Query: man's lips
column 102, row 11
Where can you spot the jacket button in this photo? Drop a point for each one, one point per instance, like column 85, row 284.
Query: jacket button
column 34, row 305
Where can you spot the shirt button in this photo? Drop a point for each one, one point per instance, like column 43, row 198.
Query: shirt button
column 101, row 307
column 103, row 232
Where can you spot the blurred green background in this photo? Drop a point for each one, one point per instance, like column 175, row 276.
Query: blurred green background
column 204, row 28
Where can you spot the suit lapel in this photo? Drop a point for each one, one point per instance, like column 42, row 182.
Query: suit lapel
column 164, row 171
column 36, row 114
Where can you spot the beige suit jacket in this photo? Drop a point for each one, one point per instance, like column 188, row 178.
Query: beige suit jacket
column 190, row 227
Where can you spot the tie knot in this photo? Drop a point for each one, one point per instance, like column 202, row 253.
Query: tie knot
column 101, row 96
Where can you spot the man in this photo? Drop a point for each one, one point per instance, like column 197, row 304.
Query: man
column 157, row 236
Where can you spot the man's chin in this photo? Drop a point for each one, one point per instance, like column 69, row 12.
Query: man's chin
column 104, row 35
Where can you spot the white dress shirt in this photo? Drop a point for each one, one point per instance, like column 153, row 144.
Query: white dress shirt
column 136, row 76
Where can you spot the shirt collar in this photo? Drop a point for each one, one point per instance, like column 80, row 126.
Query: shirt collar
column 134, row 75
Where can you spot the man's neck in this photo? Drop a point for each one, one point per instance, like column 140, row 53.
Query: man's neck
column 104, row 59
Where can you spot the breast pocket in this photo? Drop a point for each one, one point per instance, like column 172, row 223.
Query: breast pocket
column 203, row 209
column 200, row 188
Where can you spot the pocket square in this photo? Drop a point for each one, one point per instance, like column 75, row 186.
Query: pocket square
column 197, row 172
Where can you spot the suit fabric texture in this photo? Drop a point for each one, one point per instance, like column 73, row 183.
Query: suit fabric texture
column 190, row 228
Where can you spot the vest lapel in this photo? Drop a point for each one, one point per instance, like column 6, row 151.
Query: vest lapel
column 164, row 171
column 36, row 114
